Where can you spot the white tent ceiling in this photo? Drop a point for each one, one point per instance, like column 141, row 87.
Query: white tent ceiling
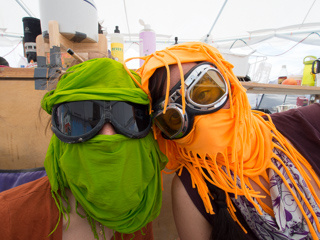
column 186, row 19
column 191, row 20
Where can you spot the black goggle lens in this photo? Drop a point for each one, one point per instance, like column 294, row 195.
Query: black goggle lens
column 74, row 119
column 206, row 93
column 77, row 118
column 133, row 117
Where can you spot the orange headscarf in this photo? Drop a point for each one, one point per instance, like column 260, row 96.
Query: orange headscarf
column 236, row 139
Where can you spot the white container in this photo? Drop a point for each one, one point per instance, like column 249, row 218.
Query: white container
column 147, row 41
column 78, row 19
column 240, row 63
column 116, row 40
column 283, row 108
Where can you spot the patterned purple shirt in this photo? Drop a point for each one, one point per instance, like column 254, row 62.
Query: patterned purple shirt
column 288, row 222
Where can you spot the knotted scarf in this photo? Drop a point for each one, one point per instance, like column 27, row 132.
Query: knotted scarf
column 230, row 144
column 117, row 180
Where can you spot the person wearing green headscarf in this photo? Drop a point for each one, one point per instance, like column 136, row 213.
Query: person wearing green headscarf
column 103, row 165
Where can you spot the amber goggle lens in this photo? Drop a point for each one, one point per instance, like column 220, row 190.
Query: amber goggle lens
column 169, row 123
column 208, row 89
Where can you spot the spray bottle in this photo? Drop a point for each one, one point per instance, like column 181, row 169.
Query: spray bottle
column 147, row 40
column 116, row 40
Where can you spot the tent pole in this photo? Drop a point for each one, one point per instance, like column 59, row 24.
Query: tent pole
column 206, row 39
column 25, row 8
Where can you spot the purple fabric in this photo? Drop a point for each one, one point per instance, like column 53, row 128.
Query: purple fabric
column 302, row 127
column 14, row 178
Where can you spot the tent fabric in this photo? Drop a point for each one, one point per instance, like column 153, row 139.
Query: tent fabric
column 257, row 26
column 184, row 18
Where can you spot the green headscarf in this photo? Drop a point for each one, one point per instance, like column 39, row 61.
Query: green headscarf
column 117, row 180
column 95, row 79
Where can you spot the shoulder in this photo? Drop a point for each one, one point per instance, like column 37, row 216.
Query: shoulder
column 30, row 210
column 299, row 125
column 183, row 204
column 26, row 188
column 180, row 195
column 189, row 221
column 310, row 113
column 178, row 188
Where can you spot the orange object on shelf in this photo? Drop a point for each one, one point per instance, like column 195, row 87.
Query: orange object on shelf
column 290, row 81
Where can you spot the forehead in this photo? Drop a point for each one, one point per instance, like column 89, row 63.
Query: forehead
column 175, row 72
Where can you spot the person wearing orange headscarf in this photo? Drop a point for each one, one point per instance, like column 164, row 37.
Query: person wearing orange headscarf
column 241, row 173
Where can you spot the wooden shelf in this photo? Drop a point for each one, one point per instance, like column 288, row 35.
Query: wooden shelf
column 253, row 87
column 7, row 73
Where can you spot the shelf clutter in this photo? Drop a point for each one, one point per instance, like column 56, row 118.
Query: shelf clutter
column 53, row 56
column 56, row 40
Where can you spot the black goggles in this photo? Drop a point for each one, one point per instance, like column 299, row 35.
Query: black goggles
column 75, row 122
column 206, row 91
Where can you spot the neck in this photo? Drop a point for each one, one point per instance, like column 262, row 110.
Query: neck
column 79, row 228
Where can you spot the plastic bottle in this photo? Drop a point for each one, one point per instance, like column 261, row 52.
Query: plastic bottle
column 175, row 40
column 116, row 40
column 316, row 70
column 283, row 75
column 308, row 77
column 147, row 40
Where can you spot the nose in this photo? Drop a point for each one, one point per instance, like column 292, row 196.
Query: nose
column 107, row 129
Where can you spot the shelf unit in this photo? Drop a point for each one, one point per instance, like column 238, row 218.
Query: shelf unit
column 253, row 87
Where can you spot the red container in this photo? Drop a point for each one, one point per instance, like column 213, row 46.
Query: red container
column 302, row 101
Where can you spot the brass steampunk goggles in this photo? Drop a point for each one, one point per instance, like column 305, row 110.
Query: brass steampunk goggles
column 206, row 91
